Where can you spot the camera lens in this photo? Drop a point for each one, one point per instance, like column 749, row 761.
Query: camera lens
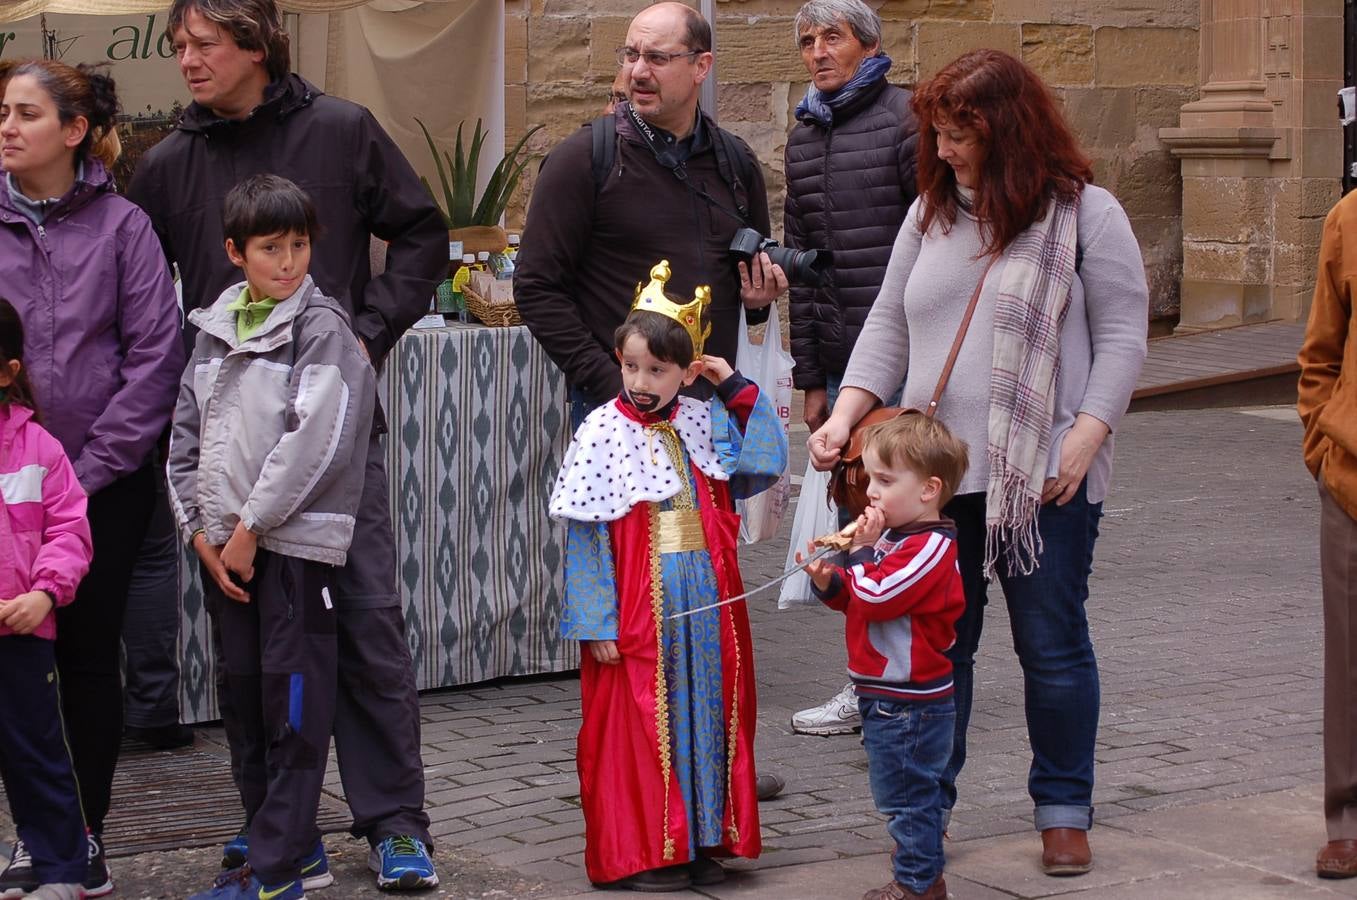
column 806, row 267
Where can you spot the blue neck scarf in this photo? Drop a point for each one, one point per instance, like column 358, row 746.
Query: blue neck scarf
column 819, row 108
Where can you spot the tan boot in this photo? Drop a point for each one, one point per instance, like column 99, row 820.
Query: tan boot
column 1064, row 851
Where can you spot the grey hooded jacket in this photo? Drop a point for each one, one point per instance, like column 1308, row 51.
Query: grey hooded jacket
column 273, row 431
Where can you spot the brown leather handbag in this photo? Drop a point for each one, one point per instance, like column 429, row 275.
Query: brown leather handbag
column 848, row 479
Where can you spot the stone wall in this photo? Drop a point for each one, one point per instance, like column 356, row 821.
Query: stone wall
column 1261, row 155
column 1124, row 68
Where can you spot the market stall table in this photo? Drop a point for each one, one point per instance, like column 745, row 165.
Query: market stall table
column 477, row 430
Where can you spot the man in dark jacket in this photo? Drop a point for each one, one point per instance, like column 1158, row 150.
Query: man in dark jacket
column 850, row 179
column 250, row 115
column 586, row 246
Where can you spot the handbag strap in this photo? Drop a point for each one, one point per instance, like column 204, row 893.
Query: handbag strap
column 957, row 341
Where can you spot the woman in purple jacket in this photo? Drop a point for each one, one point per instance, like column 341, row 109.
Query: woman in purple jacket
column 86, row 272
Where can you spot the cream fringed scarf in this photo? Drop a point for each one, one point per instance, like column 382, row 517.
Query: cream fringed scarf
column 1033, row 298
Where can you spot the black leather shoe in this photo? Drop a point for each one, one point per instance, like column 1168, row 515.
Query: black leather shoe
column 768, row 786
column 654, row 881
column 704, row 871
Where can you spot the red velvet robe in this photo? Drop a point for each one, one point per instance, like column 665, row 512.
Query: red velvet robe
column 633, row 809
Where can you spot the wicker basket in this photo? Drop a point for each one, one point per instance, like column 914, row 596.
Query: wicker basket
column 495, row 315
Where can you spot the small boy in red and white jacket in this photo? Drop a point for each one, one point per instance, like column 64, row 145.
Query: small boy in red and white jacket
column 901, row 593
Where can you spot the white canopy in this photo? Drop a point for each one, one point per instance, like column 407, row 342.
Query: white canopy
column 440, row 60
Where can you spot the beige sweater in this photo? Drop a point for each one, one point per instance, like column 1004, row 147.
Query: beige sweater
column 924, row 293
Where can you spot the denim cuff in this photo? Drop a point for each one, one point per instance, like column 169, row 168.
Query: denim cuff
column 1078, row 817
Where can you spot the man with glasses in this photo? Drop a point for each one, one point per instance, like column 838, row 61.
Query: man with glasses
column 676, row 189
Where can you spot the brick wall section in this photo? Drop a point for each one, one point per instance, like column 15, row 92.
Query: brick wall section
column 1123, row 69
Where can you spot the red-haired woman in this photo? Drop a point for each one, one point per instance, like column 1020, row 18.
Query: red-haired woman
column 1044, row 375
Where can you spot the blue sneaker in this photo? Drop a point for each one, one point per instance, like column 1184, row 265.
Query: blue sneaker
column 241, row 884
column 402, row 864
column 316, row 869
column 237, row 851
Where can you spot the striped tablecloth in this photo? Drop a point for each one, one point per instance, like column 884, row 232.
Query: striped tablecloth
column 477, row 420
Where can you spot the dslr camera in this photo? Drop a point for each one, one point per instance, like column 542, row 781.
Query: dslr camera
column 805, row 267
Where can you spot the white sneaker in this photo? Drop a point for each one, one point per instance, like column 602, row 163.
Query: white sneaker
column 838, row 715
column 58, row 892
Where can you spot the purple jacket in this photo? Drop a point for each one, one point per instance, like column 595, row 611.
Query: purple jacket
column 101, row 324
column 44, row 536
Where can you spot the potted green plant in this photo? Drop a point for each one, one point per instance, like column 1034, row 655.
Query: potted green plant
column 475, row 222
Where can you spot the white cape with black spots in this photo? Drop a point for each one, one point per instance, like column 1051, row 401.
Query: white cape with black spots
column 615, row 463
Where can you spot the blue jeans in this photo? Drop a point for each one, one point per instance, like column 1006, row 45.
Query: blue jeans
column 907, row 749
column 1050, row 635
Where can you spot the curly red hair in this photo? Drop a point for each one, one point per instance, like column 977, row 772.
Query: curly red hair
column 1013, row 111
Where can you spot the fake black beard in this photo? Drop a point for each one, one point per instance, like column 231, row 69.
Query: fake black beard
column 644, row 402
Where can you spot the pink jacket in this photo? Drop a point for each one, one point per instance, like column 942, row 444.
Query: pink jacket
column 44, row 535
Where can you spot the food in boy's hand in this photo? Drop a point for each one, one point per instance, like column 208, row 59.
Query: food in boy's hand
column 839, row 540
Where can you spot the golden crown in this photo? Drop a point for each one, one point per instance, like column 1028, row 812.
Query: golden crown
column 651, row 298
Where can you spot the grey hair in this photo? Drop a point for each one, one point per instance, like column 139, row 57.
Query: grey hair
column 864, row 21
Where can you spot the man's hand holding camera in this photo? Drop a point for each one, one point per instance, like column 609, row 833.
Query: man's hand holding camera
column 764, row 284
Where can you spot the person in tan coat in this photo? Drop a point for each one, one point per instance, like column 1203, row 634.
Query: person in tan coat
column 1328, row 408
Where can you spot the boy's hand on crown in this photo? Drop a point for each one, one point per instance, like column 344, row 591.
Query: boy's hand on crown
column 715, row 369
column 871, row 524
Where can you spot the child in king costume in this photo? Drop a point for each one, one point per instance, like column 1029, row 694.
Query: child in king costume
column 665, row 752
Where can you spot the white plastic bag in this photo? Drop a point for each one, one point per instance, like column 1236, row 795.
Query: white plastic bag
column 816, row 515
column 770, row 367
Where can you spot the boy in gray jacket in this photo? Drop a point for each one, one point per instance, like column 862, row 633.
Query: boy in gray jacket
column 265, row 474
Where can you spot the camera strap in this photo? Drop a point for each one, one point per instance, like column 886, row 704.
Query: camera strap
column 667, row 155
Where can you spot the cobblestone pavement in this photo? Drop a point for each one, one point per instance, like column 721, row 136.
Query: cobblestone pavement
column 1205, row 614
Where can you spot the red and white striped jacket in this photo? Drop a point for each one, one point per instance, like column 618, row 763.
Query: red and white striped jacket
column 902, row 598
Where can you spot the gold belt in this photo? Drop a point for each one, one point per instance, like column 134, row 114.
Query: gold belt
column 680, row 530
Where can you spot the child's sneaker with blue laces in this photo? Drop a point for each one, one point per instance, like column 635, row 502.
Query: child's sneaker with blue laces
column 315, row 866
column 402, row 864
column 241, row 884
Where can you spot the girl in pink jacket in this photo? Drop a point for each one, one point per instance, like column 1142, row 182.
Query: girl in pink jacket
column 44, row 552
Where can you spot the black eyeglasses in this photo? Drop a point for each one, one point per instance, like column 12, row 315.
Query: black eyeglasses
column 655, row 59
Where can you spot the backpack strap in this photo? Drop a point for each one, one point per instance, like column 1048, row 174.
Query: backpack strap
column 736, row 168
column 604, row 132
